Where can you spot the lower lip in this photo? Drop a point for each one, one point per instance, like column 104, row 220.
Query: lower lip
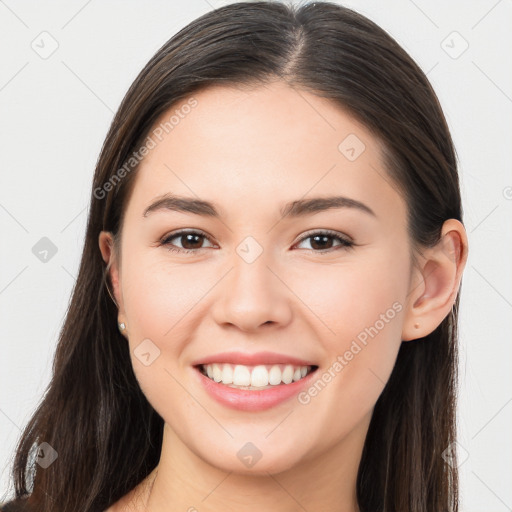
column 246, row 400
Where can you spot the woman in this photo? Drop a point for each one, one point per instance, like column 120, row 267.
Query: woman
column 265, row 316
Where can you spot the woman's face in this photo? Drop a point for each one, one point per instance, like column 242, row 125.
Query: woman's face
column 256, row 283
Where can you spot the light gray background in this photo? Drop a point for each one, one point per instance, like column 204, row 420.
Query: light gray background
column 54, row 115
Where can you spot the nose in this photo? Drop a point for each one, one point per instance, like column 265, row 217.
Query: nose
column 253, row 295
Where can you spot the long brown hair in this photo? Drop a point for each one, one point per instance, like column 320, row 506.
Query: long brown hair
column 94, row 414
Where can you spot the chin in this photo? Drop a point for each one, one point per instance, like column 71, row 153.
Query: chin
column 246, row 457
column 277, row 463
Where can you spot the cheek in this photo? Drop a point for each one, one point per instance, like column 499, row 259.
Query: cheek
column 161, row 301
column 158, row 295
column 349, row 300
column 359, row 312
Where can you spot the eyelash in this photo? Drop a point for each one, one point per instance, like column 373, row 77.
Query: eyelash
column 345, row 243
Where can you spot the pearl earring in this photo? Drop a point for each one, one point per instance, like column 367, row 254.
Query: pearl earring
column 122, row 326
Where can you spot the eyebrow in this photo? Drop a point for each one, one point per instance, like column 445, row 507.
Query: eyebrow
column 296, row 208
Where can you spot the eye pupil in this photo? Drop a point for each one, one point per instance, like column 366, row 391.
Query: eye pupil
column 323, row 239
column 190, row 237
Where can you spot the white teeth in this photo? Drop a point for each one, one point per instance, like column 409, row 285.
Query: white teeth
column 260, row 376
column 217, row 373
column 274, row 376
column 227, row 374
column 241, row 376
column 287, row 374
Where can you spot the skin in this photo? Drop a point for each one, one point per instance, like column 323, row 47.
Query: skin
column 249, row 151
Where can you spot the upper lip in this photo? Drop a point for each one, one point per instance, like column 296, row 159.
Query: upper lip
column 252, row 359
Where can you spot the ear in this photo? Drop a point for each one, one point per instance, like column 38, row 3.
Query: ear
column 434, row 285
column 108, row 253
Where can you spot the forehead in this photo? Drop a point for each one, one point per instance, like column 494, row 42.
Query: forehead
column 268, row 144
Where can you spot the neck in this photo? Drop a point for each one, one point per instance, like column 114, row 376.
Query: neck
column 183, row 481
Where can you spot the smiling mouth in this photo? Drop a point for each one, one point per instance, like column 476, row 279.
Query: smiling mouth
column 255, row 377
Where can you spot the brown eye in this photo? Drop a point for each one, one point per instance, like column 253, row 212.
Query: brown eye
column 190, row 241
column 322, row 241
